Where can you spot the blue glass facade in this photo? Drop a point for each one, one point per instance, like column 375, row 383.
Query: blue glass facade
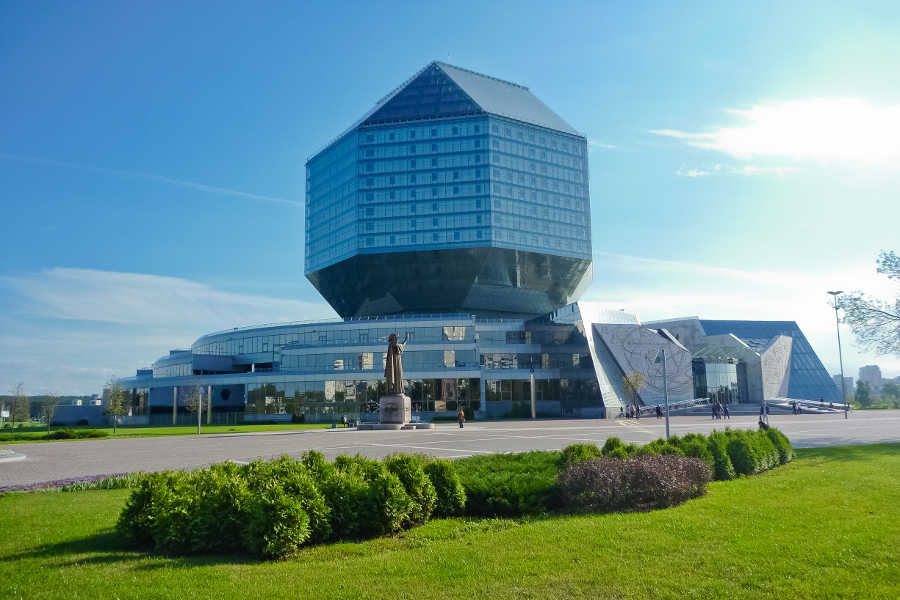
column 431, row 170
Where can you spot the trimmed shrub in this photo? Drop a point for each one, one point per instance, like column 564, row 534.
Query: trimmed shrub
column 76, row 434
column 391, row 506
column 409, row 470
column 317, row 465
column 717, row 444
column 576, row 453
column 663, row 448
column 699, row 449
column 295, row 479
column 510, row 484
column 782, row 444
column 218, row 503
column 138, row 523
column 751, row 451
column 451, row 496
column 618, row 452
column 611, row 445
column 643, row 483
column 347, row 495
column 277, row 525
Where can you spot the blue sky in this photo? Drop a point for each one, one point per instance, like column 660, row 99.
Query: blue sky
column 744, row 157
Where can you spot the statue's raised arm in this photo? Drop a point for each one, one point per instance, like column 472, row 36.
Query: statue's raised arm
column 405, row 339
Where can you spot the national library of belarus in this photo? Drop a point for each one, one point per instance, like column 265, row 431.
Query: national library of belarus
column 458, row 210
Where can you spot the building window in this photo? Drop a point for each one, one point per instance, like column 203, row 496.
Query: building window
column 412, row 134
column 392, row 239
column 478, row 129
column 370, row 196
column 412, row 223
column 370, row 226
column 370, row 152
column 433, row 162
column 478, row 143
column 369, row 167
column 434, row 132
column 479, row 234
column 412, row 208
column 412, row 149
column 370, row 138
column 456, row 131
column 434, row 176
column 478, row 190
column 413, row 237
column 391, row 136
column 434, row 192
column 434, row 206
column 455, row 189
column 370, row 211
column 455, row 175
column 478, row 200
column 392, row 194
column 392, row 180
column 456, row 235
column 412, row 193
column 412, row 163
column 434, row 236
column 370, row 241
column 478, row 219
column 412, row 178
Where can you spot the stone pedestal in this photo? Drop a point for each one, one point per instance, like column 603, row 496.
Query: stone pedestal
column 395, row 409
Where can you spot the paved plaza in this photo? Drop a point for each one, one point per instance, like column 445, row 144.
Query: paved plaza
column 60, row 460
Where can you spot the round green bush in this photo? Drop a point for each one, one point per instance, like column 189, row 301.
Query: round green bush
column 577, row 453
column 782, row 444
column 218, row 503
column 610, row 445
column 390, row 505
column 698, row 449
column 717, row 444
column 138, row 521
column 277, row 526
column 451, row 496
column 744, row 453
column 418, row 486
column 296, row 480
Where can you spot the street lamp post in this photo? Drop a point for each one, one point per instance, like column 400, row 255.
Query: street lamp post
column 837, row 326
column 662, row 355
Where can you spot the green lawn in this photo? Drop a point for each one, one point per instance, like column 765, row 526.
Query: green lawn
column 824, row 526
column 32, row 435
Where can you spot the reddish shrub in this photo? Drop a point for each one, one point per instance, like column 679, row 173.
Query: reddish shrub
column 640, row 483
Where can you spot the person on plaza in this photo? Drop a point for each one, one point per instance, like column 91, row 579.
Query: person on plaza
column 344, row 421
column 725, row 410
column 461, row 417
column 658, row 412
column 713, row 410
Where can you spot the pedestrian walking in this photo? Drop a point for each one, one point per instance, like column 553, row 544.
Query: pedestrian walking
column 658, row 412
column 713, row 410
column 725, row 409
column 461, row 417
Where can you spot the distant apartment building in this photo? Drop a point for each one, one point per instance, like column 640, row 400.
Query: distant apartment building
column 871, row 374
column 848, row 383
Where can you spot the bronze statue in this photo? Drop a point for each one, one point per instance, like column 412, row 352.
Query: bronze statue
column 393, row 367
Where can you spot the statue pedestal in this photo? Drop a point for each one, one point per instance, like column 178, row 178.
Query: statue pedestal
column 395, row 409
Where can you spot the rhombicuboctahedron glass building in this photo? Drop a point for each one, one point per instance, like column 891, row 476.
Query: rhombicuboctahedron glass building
column 458, row 210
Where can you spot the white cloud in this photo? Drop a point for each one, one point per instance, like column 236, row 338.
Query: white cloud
column 67, row 330
column 151, row 177
column 592, row 143
column 829, row 130
column 684, row 172
column 724, row 169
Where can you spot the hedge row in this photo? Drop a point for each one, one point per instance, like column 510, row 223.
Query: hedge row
column 59, row 434
column 531, row 483
column 273, row 508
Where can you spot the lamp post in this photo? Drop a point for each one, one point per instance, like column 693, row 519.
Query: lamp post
column 661, row 358
column 531, row 377
column 837, row 326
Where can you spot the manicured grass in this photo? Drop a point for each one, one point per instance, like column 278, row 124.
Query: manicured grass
column 823, row 526
column 32, row 435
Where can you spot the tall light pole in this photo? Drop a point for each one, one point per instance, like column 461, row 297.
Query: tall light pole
column 837, row 326
column 661, row 357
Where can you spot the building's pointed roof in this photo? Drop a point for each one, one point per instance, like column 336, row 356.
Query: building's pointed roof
column 442, row 90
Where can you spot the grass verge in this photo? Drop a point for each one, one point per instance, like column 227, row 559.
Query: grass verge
column 40, row 435
column 823, row 526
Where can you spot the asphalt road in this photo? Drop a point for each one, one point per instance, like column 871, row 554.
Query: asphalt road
column 60, row 460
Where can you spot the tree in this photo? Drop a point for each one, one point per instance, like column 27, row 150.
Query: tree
column 48, row 408
column 116, row 406
column 863, row 394
column 876, row 323
column 21, row 411
column 633, row 385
